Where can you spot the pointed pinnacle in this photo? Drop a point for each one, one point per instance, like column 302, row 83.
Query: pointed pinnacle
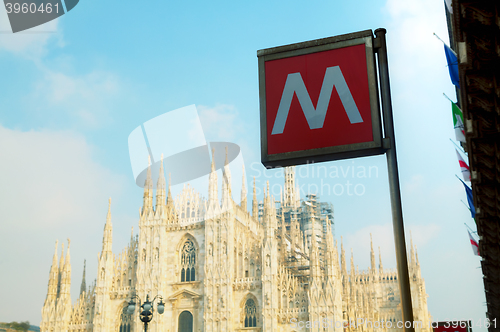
column 213, row 160
column 108, row 217
column 67, row 252
column 61, row 261
column 161, row 174
column 54, row 259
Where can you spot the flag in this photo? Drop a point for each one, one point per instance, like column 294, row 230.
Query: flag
column 451, row 58
column 464, row 167
column 470, row 199
column 474, row 244
column 458, row 122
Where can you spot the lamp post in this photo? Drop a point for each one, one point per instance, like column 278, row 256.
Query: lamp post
column 147, row 310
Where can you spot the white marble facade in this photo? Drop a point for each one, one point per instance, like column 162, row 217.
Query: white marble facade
column 220, row 268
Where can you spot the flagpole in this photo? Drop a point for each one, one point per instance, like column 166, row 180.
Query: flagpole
column 444, row 94
column 445, row 44
column 470, row 229
column 461, row 149
column 468, row 208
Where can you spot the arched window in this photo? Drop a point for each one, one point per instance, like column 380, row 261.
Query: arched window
column 390, row 295
column 250, row 313
column 125, row 321
column 186, row 322
column 188, row 262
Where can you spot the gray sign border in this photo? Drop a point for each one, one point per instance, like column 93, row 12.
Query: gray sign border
column 375, row 147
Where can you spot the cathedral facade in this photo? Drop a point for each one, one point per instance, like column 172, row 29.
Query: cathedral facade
column 219, row 268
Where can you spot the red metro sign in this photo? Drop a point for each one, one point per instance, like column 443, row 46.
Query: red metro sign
column 319, row 101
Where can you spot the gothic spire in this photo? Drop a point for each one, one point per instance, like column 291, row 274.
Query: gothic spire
column 243, row 190
column 107, row 239
column 61, row 260
column 60, row 270
column 213, row 200
column 83, row 287
column 290, row 198
column 416, row 257
column 53, row 275
column 330, row 261
column 268, row 217
column 372, row 256
column 342, row 257
column 412, row 251
column 380, row 267
column 68, row 257
column 284, row 255
column 352, row 263
column 170, row 200
column 148, row 190
column 226, row 185
column 66, row 277
column 160, row 188
column 314, row 254
column 268, row 195
column 255, row 203
column 54, row 258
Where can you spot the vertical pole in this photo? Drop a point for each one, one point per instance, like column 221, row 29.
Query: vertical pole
column 392, row 167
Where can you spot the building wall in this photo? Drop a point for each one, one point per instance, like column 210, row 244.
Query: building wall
column 288, row 269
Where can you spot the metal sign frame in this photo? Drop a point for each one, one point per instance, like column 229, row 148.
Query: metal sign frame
column 370, row 148
column 386, row 145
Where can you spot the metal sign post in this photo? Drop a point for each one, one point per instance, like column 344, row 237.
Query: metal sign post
column 392, row 168
column 294, row 131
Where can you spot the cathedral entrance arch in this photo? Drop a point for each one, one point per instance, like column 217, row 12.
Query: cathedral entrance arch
column 185, row 322
column 125, row 321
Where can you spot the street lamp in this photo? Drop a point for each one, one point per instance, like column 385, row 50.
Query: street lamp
column 147, row 310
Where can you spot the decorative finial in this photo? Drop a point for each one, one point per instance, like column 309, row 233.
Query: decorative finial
column 213, row 160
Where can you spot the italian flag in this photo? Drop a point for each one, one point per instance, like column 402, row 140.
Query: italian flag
column 458, row 122
column 474, row 244
column 463, row 166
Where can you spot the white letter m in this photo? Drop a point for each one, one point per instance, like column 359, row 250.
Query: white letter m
column 315, row 116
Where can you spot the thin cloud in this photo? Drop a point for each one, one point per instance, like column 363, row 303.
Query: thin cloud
column 220, row 122
column 52, row 189
column 85, row 99
column 31, row 44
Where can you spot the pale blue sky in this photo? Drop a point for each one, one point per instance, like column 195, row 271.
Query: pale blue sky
column 72, row 92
